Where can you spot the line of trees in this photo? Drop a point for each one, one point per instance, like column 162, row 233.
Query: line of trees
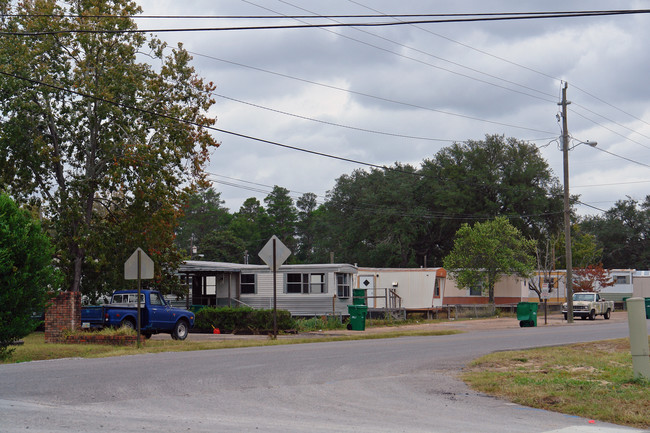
column 402, row 216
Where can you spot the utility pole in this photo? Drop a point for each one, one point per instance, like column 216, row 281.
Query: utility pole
column 567, row 208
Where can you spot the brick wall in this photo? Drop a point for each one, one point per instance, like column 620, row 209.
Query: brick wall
column 63, row 313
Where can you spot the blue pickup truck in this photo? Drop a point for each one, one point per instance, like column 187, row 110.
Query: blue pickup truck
column 157, row 315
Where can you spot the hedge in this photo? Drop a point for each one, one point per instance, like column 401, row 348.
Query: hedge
column 241, row 320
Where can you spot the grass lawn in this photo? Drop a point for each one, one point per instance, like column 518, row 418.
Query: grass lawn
column 591, row 380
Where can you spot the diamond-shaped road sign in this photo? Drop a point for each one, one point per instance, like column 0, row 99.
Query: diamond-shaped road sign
column 282, row 253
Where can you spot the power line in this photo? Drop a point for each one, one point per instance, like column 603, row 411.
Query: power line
column 531, row 70
column 264, row 17
column 211, row 128
column 610, row 129
column 298, row 116
column 610, row 184
column 593, row 207
column 398, row 54
column 336, row 25
column 368, row 95
column 622, row 157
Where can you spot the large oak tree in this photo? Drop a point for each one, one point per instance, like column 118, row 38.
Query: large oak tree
column 104, row 141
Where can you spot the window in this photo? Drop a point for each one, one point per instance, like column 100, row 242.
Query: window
column 154, row 299
column 247, row 284
column 317, row 283
column 127, row 298
column 306, row 283
column 436, row 288
column 621, row 279
column 476, row 290
column 343, row 285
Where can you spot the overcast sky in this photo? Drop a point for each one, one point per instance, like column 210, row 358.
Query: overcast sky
column 401, row 93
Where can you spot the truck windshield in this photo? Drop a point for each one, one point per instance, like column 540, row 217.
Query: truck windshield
column 583, row 297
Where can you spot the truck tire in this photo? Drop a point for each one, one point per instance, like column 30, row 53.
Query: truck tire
column 592, row 315
column 127, row 323
column 181, row 329
column 607, row 314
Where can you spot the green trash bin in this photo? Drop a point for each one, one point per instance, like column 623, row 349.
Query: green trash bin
column 527, row 314
column 357, row 317
column 358, row 296
column 647, row 308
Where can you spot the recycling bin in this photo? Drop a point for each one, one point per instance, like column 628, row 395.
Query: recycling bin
column 527, row 314
column 358, row 296
column 357, row 317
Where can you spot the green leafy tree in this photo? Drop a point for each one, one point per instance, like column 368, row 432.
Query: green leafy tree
column 105, row 143
column 306, row 227
column 623, row 232
column 375, row 217
column 202, row 214
column 251, row 224
column 584, row 249
column 282, row 215
column 222, row 246
column 488, row 250
column 490, row 177
column 26, row 272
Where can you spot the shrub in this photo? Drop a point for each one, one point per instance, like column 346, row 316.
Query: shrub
column 241, row 320
column 26, row 273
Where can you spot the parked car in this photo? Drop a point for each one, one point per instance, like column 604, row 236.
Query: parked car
column 157, row 315
column 589, row 304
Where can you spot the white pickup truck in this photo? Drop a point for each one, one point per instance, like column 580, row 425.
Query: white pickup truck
column 589, row 304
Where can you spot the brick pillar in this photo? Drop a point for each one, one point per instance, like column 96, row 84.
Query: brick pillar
column 63, row 313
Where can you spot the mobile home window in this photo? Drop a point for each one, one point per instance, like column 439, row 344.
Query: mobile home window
column 476, row 290
column 306, row 283
column 343, row 285
column 436, row 288
column 621, row 279
column 247, row 284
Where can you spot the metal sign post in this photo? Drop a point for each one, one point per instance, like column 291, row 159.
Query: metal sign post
column 274, row 254
column 138, row 267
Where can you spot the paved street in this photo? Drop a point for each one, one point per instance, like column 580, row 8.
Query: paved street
column 391, row 385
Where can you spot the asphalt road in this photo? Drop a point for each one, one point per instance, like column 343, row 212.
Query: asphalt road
column 392, row 385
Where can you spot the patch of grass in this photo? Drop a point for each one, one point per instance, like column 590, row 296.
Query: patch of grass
column 122, row 330
column 35, row 348
column 592, row 380
column 319, row 323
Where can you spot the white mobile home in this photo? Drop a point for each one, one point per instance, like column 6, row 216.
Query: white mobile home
column 409, row 289
column 508, row 290
column 623, row 285
column 303, row 290
column 641, row 284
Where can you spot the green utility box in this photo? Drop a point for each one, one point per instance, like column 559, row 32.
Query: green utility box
column 357, row 317
column 527, row 314
column 358, row 296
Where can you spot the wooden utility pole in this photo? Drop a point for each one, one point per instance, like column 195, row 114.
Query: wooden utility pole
column 567, row 208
